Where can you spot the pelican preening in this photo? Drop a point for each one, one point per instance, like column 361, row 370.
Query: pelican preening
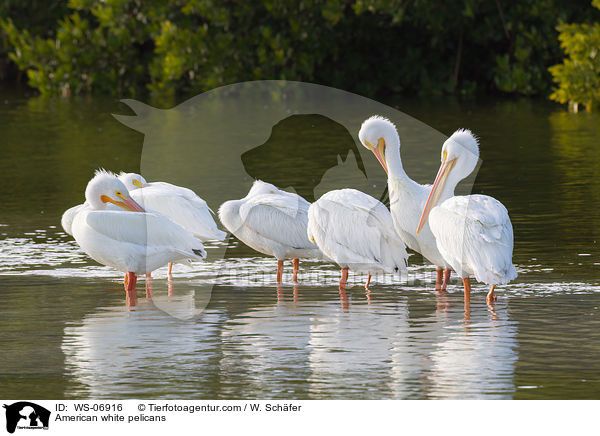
column 472, row 232
column 407, row 197
column 356, row 231
column 272, row 222
column 181, row 205
column 136, row 226
column 130, row 240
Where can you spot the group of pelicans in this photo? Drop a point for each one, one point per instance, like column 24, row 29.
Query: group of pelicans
column 137, row 227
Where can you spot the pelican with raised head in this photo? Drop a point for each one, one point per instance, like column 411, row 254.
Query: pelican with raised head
column 134, row 243
column 473, row 232
column 407, row 197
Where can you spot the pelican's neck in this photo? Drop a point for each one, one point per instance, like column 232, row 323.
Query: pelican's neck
column 392, row 157
column 449, row 187
column 461, row 171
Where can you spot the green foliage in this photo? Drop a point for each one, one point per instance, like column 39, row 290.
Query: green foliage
column 212, row 43
column 578, row 77
column 505, row 45
column 38, row 16
column 97, row 47
column 532, row 45
column 123, row 47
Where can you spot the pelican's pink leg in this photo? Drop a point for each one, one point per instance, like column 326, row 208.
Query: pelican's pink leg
column 343, row 295
column 170, row 268
column 131, row 298
column 490, row 296
column 130, row 281
column 148, row 285
column 344, row 299
column 447, row 273
column 279, row 270
column 367, row 289
column 467, row 285
column 344, row 278
column 438, row 280
column 296, row 263
column 170, row 289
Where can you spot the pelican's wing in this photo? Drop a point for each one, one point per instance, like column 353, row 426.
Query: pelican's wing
column 181, row 191
column 293, row 198
column 353, row 227
column 67, row 218
column 280, row 218
column 476, row 230
column 145, row 230
column 182, row 206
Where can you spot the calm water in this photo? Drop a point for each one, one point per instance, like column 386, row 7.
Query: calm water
column 225, row 330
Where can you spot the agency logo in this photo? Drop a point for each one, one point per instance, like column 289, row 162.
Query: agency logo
column 26, row 415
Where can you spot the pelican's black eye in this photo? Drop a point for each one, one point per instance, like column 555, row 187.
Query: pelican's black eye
column 118, row 193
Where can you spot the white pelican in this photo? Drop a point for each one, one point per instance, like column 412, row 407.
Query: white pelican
column 135, row 243
column 273, row 222
column 407, row 197
column 180, row 204
column 473, row 232
column 67, row 218
column 356, row 231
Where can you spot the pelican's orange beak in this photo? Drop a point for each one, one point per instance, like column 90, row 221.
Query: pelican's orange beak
column 379, row 152
column 436, row 190
column 128, row 203
column 132, row 205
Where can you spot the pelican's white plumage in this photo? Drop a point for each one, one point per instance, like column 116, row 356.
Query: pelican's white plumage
column 473, row 232
column 407, row 197
column 67, row 218
column 356, row 231
column 180, row 204
column 133, row 242
column 272, row 222
column 475, row 236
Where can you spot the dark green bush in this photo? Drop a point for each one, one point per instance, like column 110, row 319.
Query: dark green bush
column 124, row 47
column 578, row 77
column 38, row 16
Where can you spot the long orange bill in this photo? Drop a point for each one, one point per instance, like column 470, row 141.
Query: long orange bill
column 127, row 203
column 436, row 191
column 133, row 205
column 379, row 153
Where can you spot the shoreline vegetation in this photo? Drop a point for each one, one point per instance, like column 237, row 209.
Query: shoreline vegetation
column 127, row 48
